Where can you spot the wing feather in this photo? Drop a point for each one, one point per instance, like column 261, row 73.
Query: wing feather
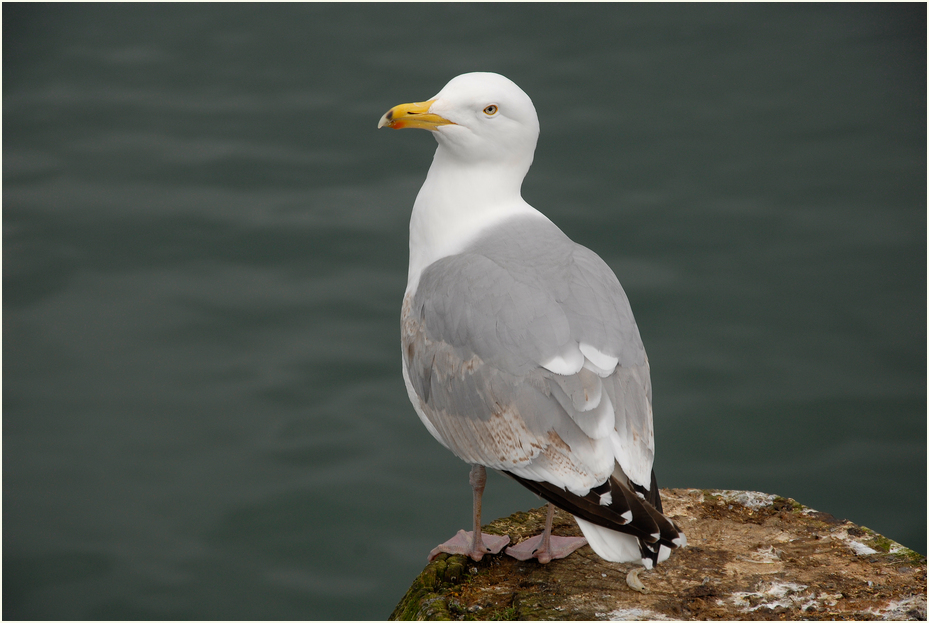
column 485, row 335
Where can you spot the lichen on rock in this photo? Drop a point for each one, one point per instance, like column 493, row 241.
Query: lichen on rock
column 750, row 556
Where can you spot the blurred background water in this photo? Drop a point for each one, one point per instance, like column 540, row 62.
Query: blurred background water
column 205, row 248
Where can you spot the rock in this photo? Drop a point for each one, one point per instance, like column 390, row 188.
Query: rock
column 750, row 556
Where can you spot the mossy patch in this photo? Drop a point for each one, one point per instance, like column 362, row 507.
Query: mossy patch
column 711, row 498
column 905, row 554
column 879, row 542
column 786, row 504
column 884, row 545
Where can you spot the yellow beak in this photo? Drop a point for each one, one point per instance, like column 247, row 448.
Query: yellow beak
column 415, row 115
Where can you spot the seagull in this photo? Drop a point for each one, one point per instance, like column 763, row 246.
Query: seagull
column 520, row 352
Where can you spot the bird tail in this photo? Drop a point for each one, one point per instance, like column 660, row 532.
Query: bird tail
column 622, row 522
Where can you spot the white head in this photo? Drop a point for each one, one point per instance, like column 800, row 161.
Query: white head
column 487, row 129
column 477, row 117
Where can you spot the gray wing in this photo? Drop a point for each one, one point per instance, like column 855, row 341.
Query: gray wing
column 522, row 354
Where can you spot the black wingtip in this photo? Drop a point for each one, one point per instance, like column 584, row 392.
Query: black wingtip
column 648, row 523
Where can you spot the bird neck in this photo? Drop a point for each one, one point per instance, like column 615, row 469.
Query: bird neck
column 457, row 202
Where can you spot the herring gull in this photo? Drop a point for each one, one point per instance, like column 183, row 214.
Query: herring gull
column 520, row 351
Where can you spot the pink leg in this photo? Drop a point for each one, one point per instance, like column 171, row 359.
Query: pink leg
column 474, row 543
column 546, row 547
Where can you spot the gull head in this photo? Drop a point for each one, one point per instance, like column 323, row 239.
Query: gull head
column 477, row 117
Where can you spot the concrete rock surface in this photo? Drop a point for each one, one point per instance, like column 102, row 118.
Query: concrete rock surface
column 750, row 556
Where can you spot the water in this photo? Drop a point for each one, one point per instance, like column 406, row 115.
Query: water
column 205, row 250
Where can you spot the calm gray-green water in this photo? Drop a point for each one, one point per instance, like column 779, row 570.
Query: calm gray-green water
column 205, row 249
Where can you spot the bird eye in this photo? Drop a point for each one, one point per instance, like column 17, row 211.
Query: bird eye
column 490, row 110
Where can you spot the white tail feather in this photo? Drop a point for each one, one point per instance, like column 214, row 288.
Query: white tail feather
column 664, row 552
column 610, row 544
